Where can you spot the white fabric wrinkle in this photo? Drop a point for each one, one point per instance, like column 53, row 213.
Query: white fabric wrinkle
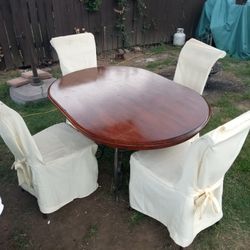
column 201, row 159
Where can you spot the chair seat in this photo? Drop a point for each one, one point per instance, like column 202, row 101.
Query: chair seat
column 59, row 141
column 69, row 159
column 165, row 164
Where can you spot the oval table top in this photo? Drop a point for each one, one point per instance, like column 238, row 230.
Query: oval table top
column 129, row 108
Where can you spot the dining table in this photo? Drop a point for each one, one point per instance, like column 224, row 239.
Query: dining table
column 129, row 108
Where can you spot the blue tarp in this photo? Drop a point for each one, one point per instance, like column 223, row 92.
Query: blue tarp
column 229, row 25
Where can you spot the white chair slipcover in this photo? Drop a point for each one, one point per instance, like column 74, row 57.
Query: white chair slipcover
column 55, row 165
column 195, row 62
column 182, row 186
column 75, row 52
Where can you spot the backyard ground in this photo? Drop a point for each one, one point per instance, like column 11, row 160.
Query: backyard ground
column 98, row 222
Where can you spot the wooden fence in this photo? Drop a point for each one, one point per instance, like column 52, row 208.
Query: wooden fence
column 28, row 25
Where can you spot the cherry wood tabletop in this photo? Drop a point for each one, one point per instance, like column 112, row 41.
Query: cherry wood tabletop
column 129, row 108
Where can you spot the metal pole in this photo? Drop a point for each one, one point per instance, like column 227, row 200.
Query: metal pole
column 28, row 36
column 36, row 81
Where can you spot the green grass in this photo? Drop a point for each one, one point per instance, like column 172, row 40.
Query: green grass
column 136, row 218
column 56, row 71
column 239, row 68
column 161, row 48
column 91, row 233
column 170, row 59
column 20, row 240
column 158, row 49
column 159, row 64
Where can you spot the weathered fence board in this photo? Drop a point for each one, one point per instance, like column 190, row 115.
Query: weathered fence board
column 28, row 25
column 10, row 48
column 35, row 30
column 5, row 42
column 107, row 26
column 44, row 24
column 190, row 20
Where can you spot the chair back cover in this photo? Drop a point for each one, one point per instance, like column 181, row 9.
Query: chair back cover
column 17, row 137
column 211, row 155
column 195, row 62
column 75, row 52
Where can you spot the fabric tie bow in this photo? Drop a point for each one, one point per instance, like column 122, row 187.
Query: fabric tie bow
column 205, row 197
column 22, row 167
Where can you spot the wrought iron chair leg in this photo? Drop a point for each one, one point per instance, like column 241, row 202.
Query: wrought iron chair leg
column 45, row 216
column 100, row 151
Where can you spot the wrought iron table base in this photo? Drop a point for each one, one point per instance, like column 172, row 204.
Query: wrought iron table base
column 117, row 182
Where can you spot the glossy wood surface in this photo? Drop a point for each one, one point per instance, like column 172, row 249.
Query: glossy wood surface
column 129, row 108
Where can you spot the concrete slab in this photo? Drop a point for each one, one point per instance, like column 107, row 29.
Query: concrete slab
column 29, row 93
column 41, row 73
column 17, row 82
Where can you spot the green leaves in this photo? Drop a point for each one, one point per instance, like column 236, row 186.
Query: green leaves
column 92, row 5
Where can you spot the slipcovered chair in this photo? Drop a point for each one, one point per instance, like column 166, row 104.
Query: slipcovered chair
column 195, row 62
column 75, row 52
column 182, row 186
column 55, row 165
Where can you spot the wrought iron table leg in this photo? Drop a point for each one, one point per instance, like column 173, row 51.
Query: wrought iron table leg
column 117, row 172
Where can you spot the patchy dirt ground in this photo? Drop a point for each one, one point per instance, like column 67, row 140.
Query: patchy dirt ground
column 97, row 222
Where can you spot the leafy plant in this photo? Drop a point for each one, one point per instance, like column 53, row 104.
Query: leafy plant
column 92, row 5
column 120, row 21
column 141, row 7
